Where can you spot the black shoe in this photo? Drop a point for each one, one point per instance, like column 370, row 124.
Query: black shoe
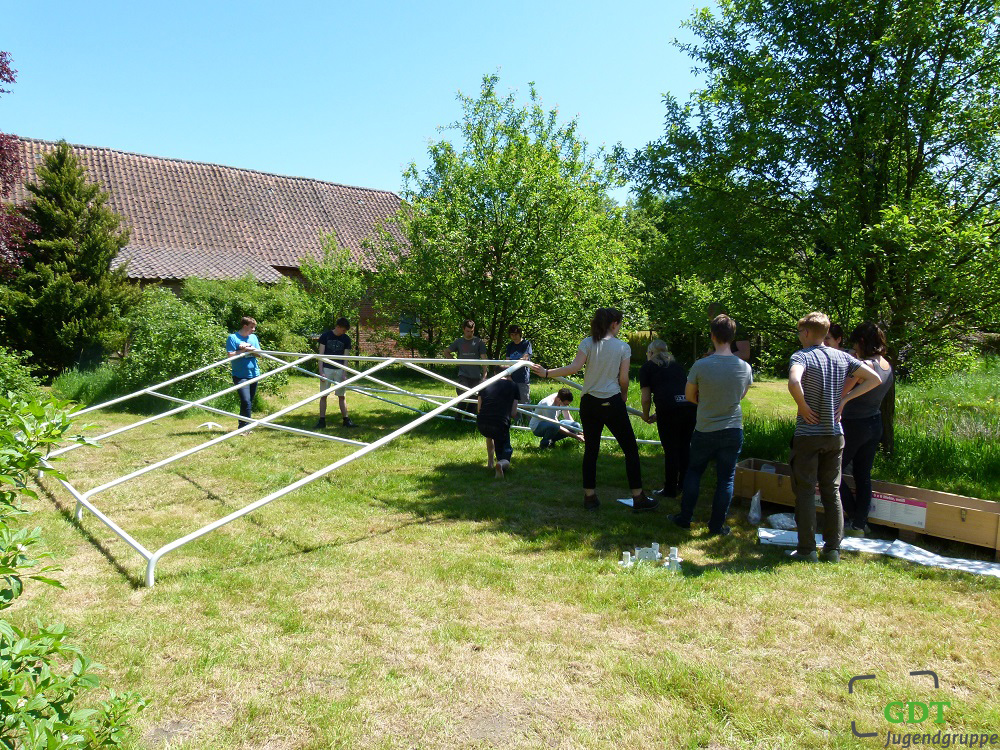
column 643, row 503
column 590, row 502
column 794, row 554
column 348, row 422
column 321, row 424
column 675, row 518
column 830, row 555
column 723, row 531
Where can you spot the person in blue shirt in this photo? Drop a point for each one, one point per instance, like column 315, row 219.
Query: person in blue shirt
column 244, row 367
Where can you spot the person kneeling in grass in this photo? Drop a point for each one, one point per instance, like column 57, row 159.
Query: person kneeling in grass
column 551, row 407
column 497, row 405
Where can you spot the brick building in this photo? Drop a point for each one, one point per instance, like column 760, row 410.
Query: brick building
column 189, row 219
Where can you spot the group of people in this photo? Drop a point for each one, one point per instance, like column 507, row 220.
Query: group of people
column 242, row 345
column 838, row 395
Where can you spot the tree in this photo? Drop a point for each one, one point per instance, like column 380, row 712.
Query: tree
column 66, row 301
column 336, row 283
column 12, row 224
column 825, row 133
column 515, row 225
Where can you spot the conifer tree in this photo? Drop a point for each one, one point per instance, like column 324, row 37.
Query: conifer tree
column 67, row 301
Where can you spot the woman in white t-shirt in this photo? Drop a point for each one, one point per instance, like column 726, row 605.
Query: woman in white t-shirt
column 605, row 388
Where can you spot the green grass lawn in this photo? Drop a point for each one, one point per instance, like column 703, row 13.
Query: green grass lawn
column 409, row 600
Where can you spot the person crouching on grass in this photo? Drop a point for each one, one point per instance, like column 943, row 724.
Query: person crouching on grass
column 816, row 378
column 551, row 407
column 497, row 405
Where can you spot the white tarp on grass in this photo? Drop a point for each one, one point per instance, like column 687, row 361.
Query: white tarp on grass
column 899, row 549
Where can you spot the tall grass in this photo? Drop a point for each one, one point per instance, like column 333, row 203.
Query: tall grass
column 947, row 431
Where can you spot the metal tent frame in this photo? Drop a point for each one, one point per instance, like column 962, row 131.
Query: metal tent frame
column 441, row 405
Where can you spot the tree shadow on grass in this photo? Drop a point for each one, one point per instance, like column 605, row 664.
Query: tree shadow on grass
column 541, row 502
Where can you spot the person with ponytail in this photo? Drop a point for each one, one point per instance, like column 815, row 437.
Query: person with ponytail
column 605, row 389
column 862, row 423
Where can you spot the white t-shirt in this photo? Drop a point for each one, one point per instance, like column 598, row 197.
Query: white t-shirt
column 545, row 408
column 604, row 360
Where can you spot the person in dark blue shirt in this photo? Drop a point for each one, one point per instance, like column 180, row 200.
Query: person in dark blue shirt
column 520, row 348
column 334, row 342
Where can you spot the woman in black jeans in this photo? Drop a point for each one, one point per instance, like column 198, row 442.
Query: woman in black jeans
column 862, row 423
column 605, row 388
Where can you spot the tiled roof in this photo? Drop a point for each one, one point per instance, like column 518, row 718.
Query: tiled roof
column 194, row 219
column 169, row 264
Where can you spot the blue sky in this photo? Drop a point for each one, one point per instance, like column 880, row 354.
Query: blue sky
column 349, row 93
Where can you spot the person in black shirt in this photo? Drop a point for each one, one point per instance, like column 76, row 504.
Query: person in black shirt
column 662, row 381
column 497, row 404
column 334, row 342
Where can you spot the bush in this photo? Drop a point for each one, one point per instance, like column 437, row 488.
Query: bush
column 15, row 377
column 39, row 706
column 167, row 338
column 285, row 314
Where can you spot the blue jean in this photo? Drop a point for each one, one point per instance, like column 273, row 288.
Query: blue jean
column 722, row 446
column 861, row 440
column 500, row 435
column 246, row 394
column 547, row 430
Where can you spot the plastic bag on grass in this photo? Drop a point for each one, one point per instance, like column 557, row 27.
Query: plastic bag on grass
column 754, row 515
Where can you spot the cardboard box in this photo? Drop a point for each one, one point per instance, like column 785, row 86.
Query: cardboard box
column 910, row 509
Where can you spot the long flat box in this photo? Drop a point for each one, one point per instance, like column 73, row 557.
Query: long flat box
column 912, row 509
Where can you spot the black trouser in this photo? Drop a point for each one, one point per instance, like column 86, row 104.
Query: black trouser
column 595, row 415
column 675, row 425
column 247, row 394
column 500, row 435
column 861, row 440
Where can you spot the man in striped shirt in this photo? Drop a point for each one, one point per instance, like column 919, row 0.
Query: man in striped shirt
column 816, row 380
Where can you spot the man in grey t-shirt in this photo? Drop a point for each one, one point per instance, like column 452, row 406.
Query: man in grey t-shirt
column 469, row 346
column 717, row 384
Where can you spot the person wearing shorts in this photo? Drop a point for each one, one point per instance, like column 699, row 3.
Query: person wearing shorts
column 335, row 342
